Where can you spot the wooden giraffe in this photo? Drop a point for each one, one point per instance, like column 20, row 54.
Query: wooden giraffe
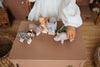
column 43, row 21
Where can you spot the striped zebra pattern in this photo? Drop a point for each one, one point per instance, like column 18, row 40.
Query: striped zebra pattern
column 23, row 35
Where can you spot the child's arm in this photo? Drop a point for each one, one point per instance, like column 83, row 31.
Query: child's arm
column 71, row 17
column 71, row 14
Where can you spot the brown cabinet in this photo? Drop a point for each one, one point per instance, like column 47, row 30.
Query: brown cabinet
column 45, row 52
column 17, row 8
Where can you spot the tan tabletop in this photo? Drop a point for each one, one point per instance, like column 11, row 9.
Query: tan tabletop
column 44, row 47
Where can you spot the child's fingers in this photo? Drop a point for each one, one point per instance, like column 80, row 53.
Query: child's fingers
column 68, row 36
column 71, row 36
column 29, row 3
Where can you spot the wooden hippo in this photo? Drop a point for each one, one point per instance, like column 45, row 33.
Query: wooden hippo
column 35, row 28
column 61, row 37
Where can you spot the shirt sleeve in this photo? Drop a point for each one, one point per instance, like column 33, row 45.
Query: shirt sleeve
column 71, row 14
column 32, row 0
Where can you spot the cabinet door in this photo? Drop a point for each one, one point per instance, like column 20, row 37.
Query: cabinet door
column 18, row 8
column 47, row 63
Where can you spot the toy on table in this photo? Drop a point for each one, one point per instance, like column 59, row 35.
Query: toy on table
column 52, row 26
column 61, row 29
column 61, row 37
column 35, row 28
column 25, row 36
column 43, row 21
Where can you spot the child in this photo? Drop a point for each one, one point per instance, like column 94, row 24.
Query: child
column 65, row 10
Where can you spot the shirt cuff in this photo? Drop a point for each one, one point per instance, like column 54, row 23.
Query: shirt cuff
column 74, row 25
column 31, row 0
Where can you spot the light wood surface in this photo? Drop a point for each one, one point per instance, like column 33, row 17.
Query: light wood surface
column 91, row 37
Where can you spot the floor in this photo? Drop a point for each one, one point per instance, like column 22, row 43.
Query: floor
column 91, row 37
column 90, row 34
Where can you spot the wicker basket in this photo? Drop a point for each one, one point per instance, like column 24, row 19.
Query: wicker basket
column 3, row 10
column 4, row 20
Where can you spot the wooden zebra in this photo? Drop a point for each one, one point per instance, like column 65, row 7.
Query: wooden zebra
column 25, row 36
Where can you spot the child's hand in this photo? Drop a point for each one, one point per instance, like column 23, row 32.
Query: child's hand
column 28, row 3
column 71, row 32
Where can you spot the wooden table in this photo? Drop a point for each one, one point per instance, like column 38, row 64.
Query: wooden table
column 45, row 52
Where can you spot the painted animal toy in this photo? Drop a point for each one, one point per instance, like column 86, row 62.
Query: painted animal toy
column 52, row 26
column 61, row 29
column 25, row 36
column 43, row 21
column 61, row 37
column 36, row 29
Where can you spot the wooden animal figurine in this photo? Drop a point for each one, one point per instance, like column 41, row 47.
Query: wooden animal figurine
column 43, row 21
column 61, row 29
column 61, row 37
column 36, row 29
column 52, row 26
column 25, row 36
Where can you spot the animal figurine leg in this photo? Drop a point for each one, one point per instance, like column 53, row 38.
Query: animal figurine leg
column 71, row 40
column 62, row 41
column 51, row 33
column 21, row 40
column 38, row 33
column 29, row 41
column 45, row 31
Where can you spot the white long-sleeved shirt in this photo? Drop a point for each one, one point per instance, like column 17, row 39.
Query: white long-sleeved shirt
column 65, row 10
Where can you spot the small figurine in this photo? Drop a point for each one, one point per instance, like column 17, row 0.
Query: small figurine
column 43, row 21
column 35, row 28
column 61, row 29
column 25, row 36
column 61, row 37
column 52, row 25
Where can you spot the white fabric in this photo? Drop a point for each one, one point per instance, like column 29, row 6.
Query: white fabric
column 65, row 10
column 31, row 0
